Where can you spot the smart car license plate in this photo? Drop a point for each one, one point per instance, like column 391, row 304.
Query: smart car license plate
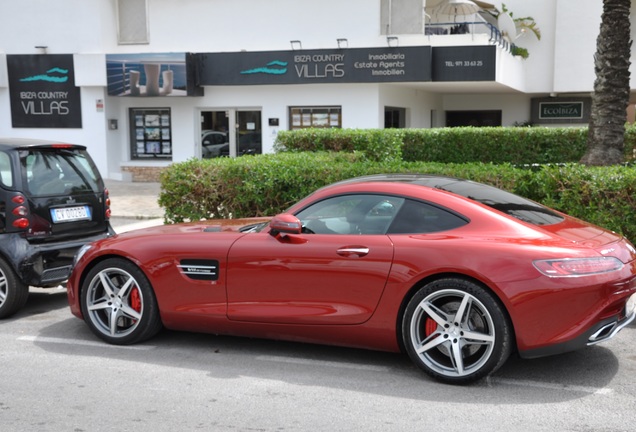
column 69, row 214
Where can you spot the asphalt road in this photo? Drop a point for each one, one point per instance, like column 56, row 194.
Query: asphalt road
column 56, row 376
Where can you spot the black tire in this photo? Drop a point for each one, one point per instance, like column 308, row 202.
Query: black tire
column 13, row 292
column 119, row 304
column 451, row 350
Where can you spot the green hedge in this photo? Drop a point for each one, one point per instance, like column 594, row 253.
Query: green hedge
column 268, row 184
column 518, row 145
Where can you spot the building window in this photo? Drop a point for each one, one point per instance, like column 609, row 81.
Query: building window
column 315, row 117
column 473, row 118
column 150, row 133
column 394, row 117
column 132, row 22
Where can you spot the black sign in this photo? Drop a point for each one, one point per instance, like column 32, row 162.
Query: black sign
column 560, row 110
column 359, row 65
column 464, row 63
column 43, row 92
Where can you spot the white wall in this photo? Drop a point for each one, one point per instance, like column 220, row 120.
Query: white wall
column 539, row 72
column 257, row 25
column 418, row 104
column 64, row 26
column 575, row 45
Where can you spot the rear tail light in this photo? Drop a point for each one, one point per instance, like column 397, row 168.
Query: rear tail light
column 22, row 223
column 572, row 267
column 21, row 212
column 107, row 204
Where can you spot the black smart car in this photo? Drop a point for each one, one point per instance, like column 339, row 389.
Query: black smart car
column 52, row 202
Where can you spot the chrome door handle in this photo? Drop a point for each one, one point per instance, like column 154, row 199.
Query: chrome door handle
column 353, row 251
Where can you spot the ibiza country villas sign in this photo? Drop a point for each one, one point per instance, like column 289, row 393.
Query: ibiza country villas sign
column 42, row 91
column 351, row 65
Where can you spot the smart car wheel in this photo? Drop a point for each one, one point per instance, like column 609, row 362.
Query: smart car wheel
column 119, row 304
column 13, row 293
column 456, row 331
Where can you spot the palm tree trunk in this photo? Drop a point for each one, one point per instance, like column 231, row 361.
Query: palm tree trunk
column 606, row 137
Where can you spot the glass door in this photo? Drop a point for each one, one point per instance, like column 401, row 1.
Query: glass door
column 217, row 139
column 214, row 134
column 248, row 133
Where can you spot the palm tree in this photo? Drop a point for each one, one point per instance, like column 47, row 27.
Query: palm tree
column 606, row 137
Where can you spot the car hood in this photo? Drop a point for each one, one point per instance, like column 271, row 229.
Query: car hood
column 211, row 225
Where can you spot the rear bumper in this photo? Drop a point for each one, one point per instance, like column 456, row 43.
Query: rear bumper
column 43, row 264
column 600, row 332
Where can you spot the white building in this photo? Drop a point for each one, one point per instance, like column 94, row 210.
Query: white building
column 140, row 81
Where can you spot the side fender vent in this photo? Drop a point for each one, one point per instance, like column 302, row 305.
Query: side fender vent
column 200, row 269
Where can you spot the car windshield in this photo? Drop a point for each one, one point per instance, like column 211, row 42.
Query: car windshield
column 59, row 171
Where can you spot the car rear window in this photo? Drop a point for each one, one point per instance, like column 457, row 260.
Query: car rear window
column 505, row 202
column 59, row 172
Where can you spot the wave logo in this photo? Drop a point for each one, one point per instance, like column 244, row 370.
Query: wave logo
column 272, row 68
column 55, row 75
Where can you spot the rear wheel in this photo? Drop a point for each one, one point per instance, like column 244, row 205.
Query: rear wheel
column 118, row 303
column 13, row 292
column 456, row 331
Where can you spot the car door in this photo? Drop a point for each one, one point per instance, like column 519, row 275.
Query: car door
column 333, row 273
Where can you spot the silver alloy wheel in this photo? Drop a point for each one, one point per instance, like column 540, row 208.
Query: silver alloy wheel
column 4, row 287
column 114, row 302
column 452, row 332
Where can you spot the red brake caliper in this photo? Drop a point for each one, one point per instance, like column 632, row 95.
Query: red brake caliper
column 135, row 299
column 430, row 327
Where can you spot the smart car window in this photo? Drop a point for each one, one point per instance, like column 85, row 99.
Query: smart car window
column 59, row 172
column 351, row 214
column 420, row 218
column 6, row 175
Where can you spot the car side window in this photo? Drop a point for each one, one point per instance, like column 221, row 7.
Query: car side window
column 6, row 174
column 416, row 217
column 351, row 214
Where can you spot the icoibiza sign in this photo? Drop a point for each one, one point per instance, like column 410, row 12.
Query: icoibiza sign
column 560, row 110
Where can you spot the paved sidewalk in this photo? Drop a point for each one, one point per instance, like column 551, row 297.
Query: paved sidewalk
column 134, row 200
column 134, row 205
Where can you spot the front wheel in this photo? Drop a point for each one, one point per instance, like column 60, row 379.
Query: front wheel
column 118, row 303
column 13, row 292
column 456, row 331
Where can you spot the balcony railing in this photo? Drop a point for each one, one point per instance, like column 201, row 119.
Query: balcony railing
column 472, row 28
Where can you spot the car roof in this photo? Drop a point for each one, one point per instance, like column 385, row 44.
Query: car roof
column 433, row 181
column 490, row 196
column 15, row 143
column 455, row 185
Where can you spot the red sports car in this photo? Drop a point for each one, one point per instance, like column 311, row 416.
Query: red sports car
column 456, row 273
